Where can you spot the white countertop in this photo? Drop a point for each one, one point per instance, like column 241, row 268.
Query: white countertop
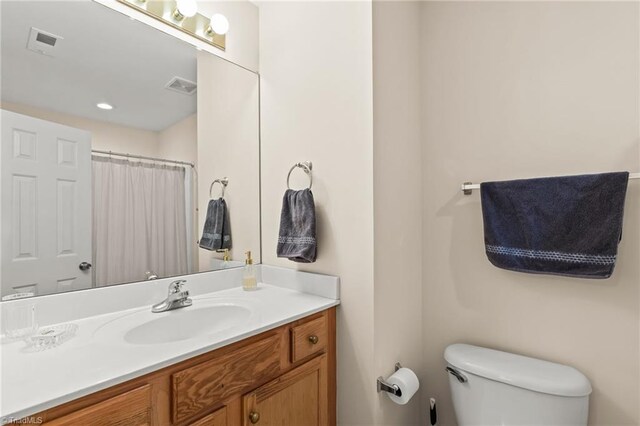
column 98, row 356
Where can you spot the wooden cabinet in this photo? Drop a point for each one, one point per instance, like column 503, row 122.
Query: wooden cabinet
column 284, row 376
column 308, row 338
column 130, row 408
column 217, row 418
column 294, row 399
column 201, row 386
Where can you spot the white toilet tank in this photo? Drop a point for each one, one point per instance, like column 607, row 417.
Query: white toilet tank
column 491, row 387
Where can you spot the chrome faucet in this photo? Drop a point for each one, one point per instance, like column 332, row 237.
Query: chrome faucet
column 177, row 298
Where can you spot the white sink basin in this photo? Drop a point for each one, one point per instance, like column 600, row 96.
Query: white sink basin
column 187, row 323
column 206, row 317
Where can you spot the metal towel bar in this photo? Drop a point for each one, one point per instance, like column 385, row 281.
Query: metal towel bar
column 468, row 187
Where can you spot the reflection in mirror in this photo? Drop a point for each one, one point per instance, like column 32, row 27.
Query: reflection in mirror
column 113, row 134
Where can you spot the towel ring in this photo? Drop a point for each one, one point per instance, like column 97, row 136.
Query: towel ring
column 224, row 182
column 307, row 166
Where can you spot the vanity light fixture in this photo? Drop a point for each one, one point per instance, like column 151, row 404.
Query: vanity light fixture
column 219, row 24
column 183, row 15
column 105, row 106
column 185, row 9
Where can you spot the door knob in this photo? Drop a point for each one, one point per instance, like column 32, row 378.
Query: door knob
column 84, row 266
column 313, row 339
column 254, row 417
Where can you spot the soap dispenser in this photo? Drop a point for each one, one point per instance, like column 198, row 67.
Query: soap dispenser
column 225, row 258
column 249, row 282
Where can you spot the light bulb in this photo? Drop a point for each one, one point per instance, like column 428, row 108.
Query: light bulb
column 104, row 105
column 186, row 8
column 219, row 24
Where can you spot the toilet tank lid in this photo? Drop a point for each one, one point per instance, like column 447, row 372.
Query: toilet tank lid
column 517, row 370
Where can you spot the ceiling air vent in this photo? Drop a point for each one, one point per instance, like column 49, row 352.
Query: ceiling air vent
column 181, row 85
column 42, row 42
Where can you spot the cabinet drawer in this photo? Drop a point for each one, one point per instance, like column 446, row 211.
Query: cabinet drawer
column 199, row 387
column 308, row 338
column 131, row 408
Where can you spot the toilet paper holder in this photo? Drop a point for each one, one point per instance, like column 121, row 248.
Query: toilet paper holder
column 383, row 385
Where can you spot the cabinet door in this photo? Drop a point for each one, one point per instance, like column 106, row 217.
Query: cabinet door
column 296, row 398
column 217, row 418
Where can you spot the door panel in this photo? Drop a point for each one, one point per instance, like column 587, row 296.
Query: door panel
column 46, row 205
column 296, row 398
column 25, row 212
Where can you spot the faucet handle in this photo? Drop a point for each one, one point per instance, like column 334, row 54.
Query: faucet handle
column 176, row 286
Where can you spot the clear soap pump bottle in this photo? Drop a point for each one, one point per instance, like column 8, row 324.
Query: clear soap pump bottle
column 249, row 282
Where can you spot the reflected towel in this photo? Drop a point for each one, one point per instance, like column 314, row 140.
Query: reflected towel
column 297, row 237
column 561, row 225
column 216, row 234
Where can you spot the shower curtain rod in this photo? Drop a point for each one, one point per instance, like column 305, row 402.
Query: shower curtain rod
column 142, row 157
column 468, row 187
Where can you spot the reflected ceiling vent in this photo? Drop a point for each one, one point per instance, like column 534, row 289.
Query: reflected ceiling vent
column 42, row 42
column 181, row 85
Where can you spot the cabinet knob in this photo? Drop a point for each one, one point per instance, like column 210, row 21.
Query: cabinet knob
column 254, row 417
column 313, row 339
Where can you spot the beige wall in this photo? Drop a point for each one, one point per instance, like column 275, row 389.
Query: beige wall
column 179, row 141
column 524, row 89
column 242, row 38
column 104, row 135
column 229, row 146
column 397, row 197
column 316, row 104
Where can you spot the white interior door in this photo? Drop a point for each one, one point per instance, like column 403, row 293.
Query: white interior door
column 46, row 205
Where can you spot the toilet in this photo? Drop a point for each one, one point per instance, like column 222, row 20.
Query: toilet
column 491, row 387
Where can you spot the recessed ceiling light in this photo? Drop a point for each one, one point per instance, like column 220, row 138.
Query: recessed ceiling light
column 104, row 105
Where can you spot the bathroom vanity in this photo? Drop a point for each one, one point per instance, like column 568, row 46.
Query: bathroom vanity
column 282, row 376
column 231, row 358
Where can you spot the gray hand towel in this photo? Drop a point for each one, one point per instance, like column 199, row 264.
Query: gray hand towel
column 216, row 234
column 297, row 237
column 561, row 226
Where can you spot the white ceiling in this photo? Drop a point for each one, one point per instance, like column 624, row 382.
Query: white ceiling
column 104, row 57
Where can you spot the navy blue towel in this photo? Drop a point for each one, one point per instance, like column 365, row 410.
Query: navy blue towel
column 560, row 225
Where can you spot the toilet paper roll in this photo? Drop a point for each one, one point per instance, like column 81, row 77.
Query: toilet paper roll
column 408, row 383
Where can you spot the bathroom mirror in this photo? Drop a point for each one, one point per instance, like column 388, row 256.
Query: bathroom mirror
column 115, row 139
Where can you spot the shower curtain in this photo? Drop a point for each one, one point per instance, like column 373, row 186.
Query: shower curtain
column 139, row 220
